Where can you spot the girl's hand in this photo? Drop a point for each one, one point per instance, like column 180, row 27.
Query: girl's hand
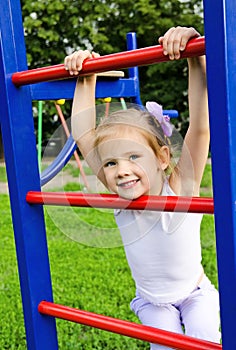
column 175, row 40
column 74, row 62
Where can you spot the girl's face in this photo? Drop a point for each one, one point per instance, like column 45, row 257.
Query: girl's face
column 130, row 166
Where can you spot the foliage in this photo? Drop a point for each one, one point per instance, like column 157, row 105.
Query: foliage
column 55, row 28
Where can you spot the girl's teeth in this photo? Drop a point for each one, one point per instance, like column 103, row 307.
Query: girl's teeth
column 126, row 184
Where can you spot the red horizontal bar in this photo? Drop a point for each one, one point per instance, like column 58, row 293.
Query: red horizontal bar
column 158, row 203
column 126, row 59
column 130, row 329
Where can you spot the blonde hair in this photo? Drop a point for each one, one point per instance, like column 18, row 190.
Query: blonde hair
column 141, row 120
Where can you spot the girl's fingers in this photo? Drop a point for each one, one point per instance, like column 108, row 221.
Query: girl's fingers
column 74, row 62
column 175, row 40
column 160, row 40
column 95, row 54
column 166, row 42
column 187, row 34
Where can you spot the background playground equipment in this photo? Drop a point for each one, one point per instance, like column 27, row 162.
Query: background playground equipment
column 58, row 104
column 23, row 173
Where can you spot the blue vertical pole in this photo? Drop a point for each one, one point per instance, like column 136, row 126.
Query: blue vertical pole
column 23, row 175
column 133, row 71
column 131, row 39
column 220, row 34
column 40, row 126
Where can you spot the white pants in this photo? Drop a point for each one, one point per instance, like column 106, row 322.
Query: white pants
column 198, row 314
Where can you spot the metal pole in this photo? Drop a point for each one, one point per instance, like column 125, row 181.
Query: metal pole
column 40, row 125
column 126, row 59
column 130, row 329
column 158, row 203
column 67, row 132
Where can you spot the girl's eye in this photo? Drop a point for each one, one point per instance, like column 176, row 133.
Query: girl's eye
column 133, row 157
column 108, row 164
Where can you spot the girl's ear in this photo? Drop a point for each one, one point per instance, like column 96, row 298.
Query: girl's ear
column 164, row 157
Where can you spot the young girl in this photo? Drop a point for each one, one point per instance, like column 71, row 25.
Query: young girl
column 130, row 153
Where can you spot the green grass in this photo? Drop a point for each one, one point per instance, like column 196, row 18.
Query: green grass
column 93, row 279
column 206, row 184
column 3, row 176
column 12, row 334
column 86, row 277
column 75, row 171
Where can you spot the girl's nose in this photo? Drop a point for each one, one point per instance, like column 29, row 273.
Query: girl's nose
column 123, row 169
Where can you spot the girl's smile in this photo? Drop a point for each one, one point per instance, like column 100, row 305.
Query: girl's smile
column 128, row 184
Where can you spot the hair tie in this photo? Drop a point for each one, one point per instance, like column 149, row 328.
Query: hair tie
column 164, row 120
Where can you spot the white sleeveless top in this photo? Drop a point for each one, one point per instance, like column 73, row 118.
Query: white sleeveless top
column 163, row 251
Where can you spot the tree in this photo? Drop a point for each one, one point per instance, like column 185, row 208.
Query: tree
column 55, row 28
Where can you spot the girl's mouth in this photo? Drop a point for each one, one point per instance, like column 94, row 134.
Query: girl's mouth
column 128, row 184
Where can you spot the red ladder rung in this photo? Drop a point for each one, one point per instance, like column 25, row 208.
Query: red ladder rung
column 155, row 203
column 130, row 329
column 120, row 60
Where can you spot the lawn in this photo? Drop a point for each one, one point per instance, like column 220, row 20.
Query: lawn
column 95, row 278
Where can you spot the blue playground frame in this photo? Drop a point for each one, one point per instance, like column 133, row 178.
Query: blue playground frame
column 23, row 172
column 220, row 33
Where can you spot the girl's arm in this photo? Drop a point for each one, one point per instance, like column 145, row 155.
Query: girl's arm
column 186, row 178
column 83, row 118
column 197, row 139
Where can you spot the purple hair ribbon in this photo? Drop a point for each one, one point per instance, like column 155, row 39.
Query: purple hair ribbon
column 164, row 120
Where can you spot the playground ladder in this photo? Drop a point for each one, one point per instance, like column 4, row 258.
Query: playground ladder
column 24, row 178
